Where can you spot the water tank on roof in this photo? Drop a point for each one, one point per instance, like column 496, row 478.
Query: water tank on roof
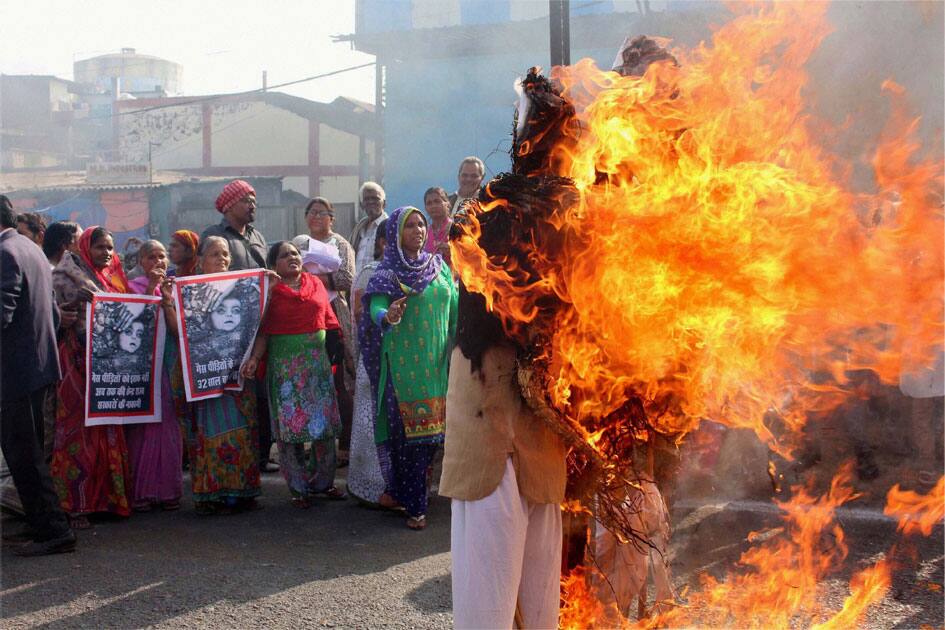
column 137, row 74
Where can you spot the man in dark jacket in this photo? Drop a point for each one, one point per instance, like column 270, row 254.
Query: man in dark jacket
column 30, row 364
column 237, row 204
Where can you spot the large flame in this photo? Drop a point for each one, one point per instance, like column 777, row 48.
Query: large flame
column 777, row 585
column 715, row 255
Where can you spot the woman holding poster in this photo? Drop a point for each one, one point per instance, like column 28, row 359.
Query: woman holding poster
column 303, row 339
column 155, row 448
column 89, row 464
column 221, row 431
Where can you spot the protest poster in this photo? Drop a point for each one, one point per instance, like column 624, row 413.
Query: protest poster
column 218, row 315
column 124, row 354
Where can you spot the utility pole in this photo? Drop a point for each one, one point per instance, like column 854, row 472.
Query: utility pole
column 380, row 102
column 559, row 16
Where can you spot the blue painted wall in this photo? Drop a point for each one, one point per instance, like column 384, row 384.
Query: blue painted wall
column 439, row 111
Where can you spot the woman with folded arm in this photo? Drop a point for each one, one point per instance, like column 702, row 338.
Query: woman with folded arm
column 320, row 217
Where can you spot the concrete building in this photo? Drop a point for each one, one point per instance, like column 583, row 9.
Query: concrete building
column 316, row 148
column 130, row 73
column 35, row 116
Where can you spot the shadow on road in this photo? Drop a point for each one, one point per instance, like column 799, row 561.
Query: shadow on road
column 160, row 565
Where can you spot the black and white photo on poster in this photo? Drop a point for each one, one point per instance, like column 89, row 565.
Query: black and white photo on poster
column 218, row 316
column 124, row 357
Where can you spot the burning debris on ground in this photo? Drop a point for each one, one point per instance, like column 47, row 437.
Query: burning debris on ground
column 675, row 245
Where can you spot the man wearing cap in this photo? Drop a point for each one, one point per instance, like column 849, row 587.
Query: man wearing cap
column 237, row 204
column 248, row 249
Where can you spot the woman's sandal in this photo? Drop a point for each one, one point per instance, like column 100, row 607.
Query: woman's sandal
column 170, row 506
column 417, row 522
column 389, row 503
column 301, row 503
column 333, row 493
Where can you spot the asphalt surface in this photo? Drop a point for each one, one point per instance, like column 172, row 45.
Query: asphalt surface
column 334, row 565
column 341, row 565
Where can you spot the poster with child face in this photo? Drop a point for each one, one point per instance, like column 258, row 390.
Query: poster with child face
column 124, row 352
column 218, row 315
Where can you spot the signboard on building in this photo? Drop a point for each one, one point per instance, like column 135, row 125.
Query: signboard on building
column 117, row 173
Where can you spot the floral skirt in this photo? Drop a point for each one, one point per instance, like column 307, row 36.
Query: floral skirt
column 301, row 389
column 304, row 409
column 89, row 464
column 221, row 444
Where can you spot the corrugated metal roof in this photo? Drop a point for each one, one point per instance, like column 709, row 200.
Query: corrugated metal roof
column 75, row 180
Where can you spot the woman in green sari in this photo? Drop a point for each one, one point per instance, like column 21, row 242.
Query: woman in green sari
column 405, row 334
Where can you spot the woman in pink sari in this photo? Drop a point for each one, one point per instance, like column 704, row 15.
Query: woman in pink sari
column 155, row 448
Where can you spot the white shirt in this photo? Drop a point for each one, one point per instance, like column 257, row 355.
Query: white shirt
column 459, row 201
column 365, row 253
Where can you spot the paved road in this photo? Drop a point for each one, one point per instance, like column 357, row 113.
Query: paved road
column 340, row 565
column 334, row 565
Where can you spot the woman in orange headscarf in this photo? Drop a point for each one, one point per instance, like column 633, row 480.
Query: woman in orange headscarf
column 89, row 464
column 182, row 251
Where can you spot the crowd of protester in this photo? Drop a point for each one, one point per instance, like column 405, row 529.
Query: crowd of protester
column 364, row 350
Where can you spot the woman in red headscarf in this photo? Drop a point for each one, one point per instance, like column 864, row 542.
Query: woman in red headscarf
column 89, row 464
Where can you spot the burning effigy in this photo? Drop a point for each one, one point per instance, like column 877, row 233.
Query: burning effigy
column 674, row 243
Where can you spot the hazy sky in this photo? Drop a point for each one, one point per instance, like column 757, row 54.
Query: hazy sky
column 223, row 46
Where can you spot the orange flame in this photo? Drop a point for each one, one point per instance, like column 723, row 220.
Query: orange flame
column 778, row 584
column 580, row 609
column 714, row 255
column 868, row 587
column 781, row 576
column 916, row 512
